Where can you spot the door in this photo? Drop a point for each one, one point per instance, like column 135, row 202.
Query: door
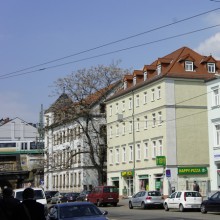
column 171, row 200
column 130, row 186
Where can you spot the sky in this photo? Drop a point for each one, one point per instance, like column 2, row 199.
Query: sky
column 41, row 41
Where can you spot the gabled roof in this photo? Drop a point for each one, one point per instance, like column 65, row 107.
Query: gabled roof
column 173, row 66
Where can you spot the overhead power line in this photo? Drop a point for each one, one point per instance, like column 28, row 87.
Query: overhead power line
column 111, row 52
column 107, row 44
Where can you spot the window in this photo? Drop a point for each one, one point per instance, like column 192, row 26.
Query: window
column 110, row 132
column 123, row 129
column 125, row 85
column 123, row 106
column 158, row 92
column 215, row 97
column 117, row 155
column 160, row 148
column 134, row 80
column 110, row 111
column 138, row 152
column 159, row 118
column 145, row 97
column 130, row 104
column 137, row 101
column 152, row 95
column 131, row 153
column 211, row 67
column 116, row 108
column 24, row 146
column 145, row 76
column 217, row 131
column 117, row 130
column 146, row 150
column 154, row 149
column 123, row 154
column 146, row 123
column 158, row 69
column 138, row 125
column 110, row 156
column 130, row 127
column 188, row 65
column 153, row 120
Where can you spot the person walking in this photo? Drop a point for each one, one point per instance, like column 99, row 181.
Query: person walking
column 196, row 186
column 29, row 209
column 8, row 204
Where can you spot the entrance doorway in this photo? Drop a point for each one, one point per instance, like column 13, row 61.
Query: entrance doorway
column 130, row 185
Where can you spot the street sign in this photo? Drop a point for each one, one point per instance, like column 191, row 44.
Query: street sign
column 168, row 173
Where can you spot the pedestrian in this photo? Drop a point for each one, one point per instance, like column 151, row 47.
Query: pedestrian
column 8, row 204
column 29, row 209
column 196, row 186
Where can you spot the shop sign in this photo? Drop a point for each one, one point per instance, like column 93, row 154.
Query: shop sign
column 160, row 160
column 127, row 173
column 115, row 178
column 192, row 170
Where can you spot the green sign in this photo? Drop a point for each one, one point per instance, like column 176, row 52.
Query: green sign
column 192, row 170
column 160, row 160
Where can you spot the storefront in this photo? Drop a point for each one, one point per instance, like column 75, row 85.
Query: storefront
column 187, row 176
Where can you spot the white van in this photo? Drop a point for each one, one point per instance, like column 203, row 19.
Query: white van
column 38, row 195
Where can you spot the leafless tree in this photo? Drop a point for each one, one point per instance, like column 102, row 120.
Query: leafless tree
column 88, row 90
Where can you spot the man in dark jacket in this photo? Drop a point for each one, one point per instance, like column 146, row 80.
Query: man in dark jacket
column 8, row 204
column 29, row 209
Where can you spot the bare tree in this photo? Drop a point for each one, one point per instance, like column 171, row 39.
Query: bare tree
column 88, row 90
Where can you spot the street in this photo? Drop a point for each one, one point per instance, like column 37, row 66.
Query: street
column 122, row 211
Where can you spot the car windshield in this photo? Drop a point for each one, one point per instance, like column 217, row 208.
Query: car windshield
column 154, row 193
column 192, row 194
column 79, row 210
column 110, row 189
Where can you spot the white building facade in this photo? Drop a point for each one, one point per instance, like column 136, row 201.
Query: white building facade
column 213, row 93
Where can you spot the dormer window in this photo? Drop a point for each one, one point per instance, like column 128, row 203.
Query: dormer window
column 188, row 65
column 158, row 69
column 145, row 76
column 125, row 85
column 134, row 81
column 211, row 67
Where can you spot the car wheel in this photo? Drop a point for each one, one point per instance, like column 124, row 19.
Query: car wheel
column 203, row 209
column 166, row 207
column 181, row 208
column 130, row 205
column 143, row 206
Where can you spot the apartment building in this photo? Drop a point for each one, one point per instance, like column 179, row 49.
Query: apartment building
column 157, row 125
column 68, row 153
column 213, row 95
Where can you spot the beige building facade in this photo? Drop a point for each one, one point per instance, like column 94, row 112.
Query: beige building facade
column 158, row 129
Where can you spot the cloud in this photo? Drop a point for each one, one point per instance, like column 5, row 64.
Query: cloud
column 210, row 46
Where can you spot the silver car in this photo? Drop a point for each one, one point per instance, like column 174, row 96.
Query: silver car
column 145, row 199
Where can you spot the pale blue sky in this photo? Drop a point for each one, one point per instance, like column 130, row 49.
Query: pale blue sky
column 34, row 32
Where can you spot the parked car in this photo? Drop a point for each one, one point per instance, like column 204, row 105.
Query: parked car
column 103, row 195
column 145, row 199
column 212, row 204
column 83, row 195
column 183, row 200
column 39, row 195
column 49, row 195
column 76, row 210
column 57, row 197
column 69, row 197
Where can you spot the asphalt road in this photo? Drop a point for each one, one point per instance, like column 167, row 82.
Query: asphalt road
column 122, row 211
